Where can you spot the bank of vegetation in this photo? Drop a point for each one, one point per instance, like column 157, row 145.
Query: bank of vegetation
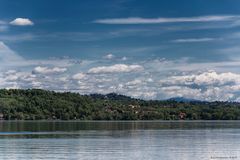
column 35, row 104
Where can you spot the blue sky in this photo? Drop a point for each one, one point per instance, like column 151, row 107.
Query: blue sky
column 145, row 49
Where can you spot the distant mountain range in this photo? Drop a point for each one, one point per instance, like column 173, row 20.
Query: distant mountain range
column 114, row 96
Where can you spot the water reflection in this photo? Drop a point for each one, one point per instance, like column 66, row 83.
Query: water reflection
column 119, row 140
column 35, row 126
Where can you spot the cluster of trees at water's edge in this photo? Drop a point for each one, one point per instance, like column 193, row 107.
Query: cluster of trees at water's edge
column 35, row 104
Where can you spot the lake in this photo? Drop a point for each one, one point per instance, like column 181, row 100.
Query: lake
column 103, row 140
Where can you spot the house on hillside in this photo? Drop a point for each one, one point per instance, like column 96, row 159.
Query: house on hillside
column 182, row 115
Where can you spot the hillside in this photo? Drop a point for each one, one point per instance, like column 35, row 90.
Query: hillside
column 35, row 104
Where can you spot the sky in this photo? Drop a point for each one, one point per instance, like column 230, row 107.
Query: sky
column 144, row 49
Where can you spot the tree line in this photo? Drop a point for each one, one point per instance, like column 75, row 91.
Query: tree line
column 36, row 104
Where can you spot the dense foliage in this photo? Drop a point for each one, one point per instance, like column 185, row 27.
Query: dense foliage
column 38, row 104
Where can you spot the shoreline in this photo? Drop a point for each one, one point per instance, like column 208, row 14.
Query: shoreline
column 149, row 121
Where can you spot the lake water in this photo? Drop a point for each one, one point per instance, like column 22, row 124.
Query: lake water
column 133, row 140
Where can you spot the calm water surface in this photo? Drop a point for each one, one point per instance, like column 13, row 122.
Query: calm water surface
column 135, row 140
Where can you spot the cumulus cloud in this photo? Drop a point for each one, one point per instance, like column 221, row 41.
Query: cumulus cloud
column 204, row 79
column 117, row 68
column 78, row 76
column 47, row 70
column 149, row 79
column 209, row 86
column 138, row 20
column 22, row 22
column 210, row 93
column 17, row 79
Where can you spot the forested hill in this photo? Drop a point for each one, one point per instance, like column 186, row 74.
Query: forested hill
column 38, row 104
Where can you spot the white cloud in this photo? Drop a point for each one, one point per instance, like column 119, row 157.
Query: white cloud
column 181, row 91
column 149, row 79
column 117, row 68
column 209, row 94
column 16, row 79
column 47, row 70
column 203, row 79
column 22, row 22
column 109, row 56
column 134, row 82
column 78, row 76
column 208, row 86
column 145, row 94
column 124, row 58
column 194, row 40
column 138, row 20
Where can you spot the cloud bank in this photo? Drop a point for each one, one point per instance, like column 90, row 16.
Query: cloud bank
column 147, row 79
column 47, row 70
column 138, row 20
column 117, row 68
